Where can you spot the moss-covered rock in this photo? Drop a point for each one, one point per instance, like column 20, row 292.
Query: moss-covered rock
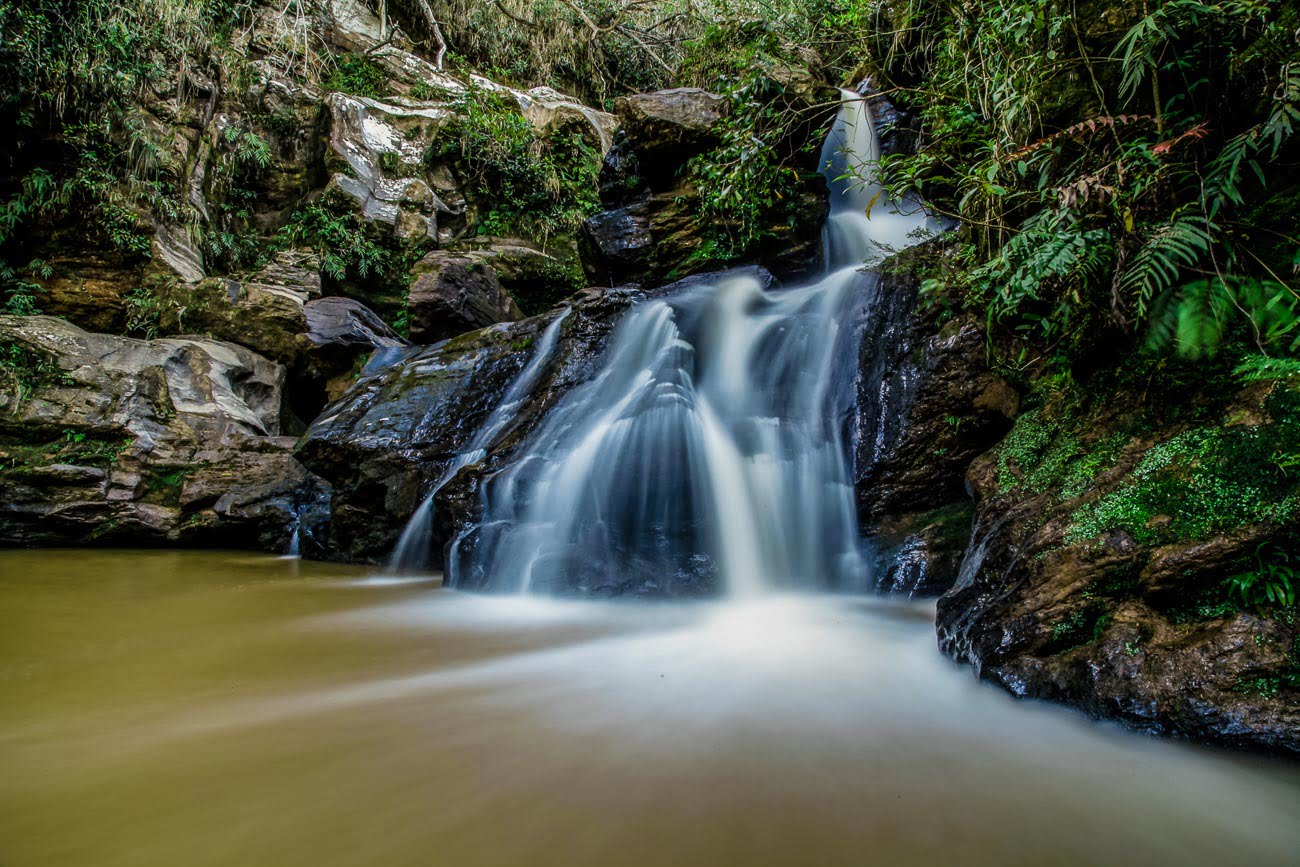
column 1138, row 564
column 111, row 440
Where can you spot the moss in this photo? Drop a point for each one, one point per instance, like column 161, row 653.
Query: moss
column 1081, row 626
column 1202, row 481
column 356, row 74
column 69, row 447
column 27, row 369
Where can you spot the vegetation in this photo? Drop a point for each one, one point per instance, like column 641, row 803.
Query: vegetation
column 522, row 181
column 25, row 369
column 599, row 49
column 1130, row 203
column 70, row 76
column 750, row 186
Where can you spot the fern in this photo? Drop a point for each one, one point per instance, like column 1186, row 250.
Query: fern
column 1049, row 257
column 1196, row 316
column 1142, row 46
column 1154, row 269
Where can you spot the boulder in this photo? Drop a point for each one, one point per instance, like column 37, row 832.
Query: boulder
column 116, row 440
column 377, row 160
column 1100, row 570
column 669, row 126
column 454, row 293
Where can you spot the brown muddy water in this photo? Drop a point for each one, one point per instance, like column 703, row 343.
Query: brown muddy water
column 162, row 708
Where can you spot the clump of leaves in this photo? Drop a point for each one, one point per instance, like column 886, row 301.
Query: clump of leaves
column 356, row 74
column 1137, row 218
column 529, row 183
column 1271, row 583
column 749, row 186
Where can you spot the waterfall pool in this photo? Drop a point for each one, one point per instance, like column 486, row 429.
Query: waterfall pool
column 203, row 708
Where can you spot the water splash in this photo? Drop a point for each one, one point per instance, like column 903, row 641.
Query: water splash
column 710, row 451
column 414, row 551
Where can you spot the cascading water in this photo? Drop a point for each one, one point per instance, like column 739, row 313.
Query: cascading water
column 710, row 450
column 413, row 553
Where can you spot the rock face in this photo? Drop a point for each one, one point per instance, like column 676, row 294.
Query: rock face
column 114, row 440
column 648, row 232
column 386, row 442
column 1108, row 560
column 377, row 161
column 669, row 127
column 927, row 405
column 454, row 293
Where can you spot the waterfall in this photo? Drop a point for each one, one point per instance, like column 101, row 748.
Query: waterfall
column 413, row 552
column 709, row 452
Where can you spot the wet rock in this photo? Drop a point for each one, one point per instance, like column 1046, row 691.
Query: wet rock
column 927, row 406
column 105, row 437
column 1134, row 621
column 920, row 554
column 454, row 293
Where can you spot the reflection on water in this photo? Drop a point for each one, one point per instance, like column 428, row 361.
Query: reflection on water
column 219, row 709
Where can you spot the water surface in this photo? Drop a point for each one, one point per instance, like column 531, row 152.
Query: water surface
column 164, row 708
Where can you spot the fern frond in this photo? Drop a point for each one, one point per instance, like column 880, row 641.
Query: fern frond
column 1195, row 317
column 1156, row 266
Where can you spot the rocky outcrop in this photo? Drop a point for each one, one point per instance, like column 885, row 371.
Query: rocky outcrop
column 377, row 161
column 386, row 442
column 1121, row 559
column 649, row 232
column 927, row 406
column 111, row 440
column 668, row 127
column 454, row 293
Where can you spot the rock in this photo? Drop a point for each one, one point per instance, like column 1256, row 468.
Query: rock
column 927, row 402
column 1063, row 595
column 650, row 232
column 919, row 554
column 668, row 127
column 346, row 322
column 927, row 406
column 536, row 276
column 377, row 159
column 104, row 438
column 452, row 294
column 392, row 435
column 173, row 249
column 341, row 331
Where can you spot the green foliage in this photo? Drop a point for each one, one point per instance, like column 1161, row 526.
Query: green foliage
column 26, row 369
column 1256, row 368
column 1080, row 218
column 1202, row 481
column 748, row 187
column 339, row 237
column 70, row 74
column 77, row 447
column 598, row 49
column 1081, row 626
column 1196, row 316
column 1271, row 582
column 152, row 308
column 356, row 74
column 536, row 185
